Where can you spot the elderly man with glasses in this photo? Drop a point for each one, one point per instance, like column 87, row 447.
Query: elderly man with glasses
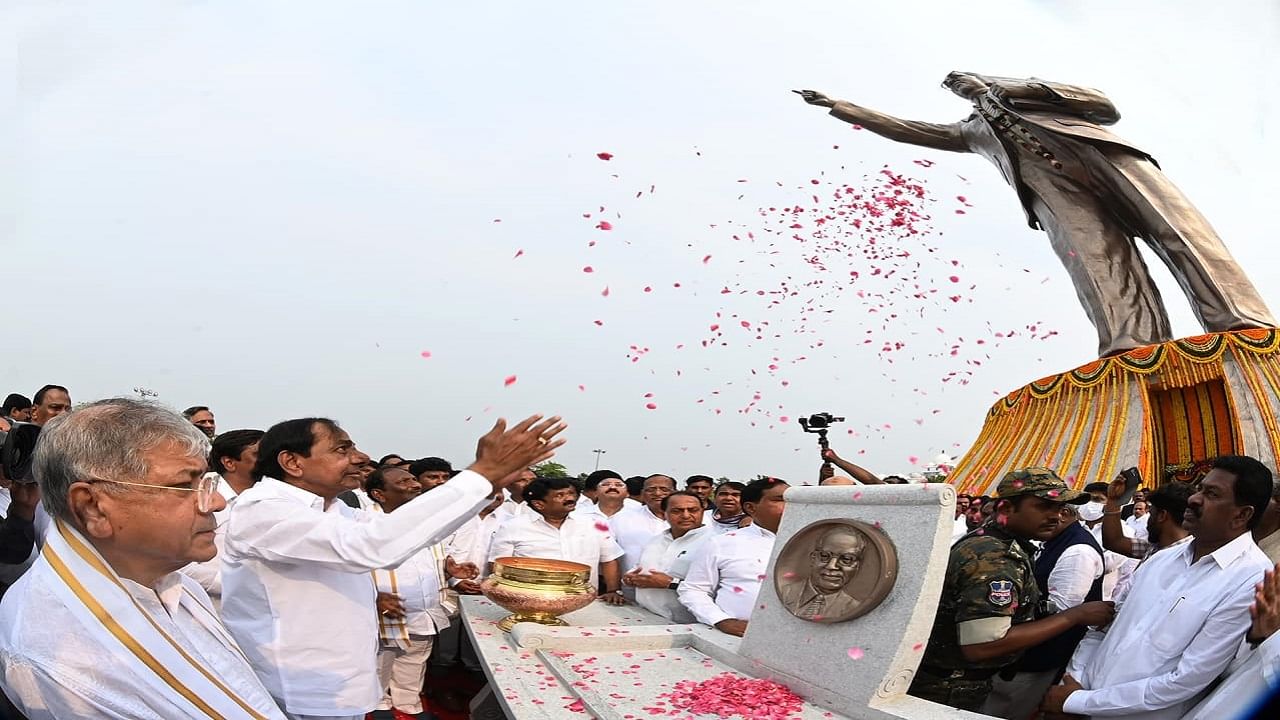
column 103, row 625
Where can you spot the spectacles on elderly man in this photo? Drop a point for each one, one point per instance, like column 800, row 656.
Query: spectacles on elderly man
column 844, row 560
column 205, row 488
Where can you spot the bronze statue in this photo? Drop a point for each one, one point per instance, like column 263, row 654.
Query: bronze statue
column 1092, row 192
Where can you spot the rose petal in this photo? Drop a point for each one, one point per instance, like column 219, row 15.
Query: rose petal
column 511, row 380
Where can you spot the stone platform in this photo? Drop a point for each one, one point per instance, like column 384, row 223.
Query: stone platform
column 612, row 663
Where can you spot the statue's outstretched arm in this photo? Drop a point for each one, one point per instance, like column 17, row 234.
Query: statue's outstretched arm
column 931, row 135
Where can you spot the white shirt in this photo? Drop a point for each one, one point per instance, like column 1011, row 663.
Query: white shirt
column 1073, row 574
column 1138, row 525
column 366, row 502
column 418, row 582
column 1253, row 676
column 297, row 595
column 209, row 574
column 1117, row 568
column 586, row 509
column 1176, row 631
column 575, row 540
column 70, row 673
column 671, row 556
column 725, row 575
column 633, row 528
column 471, row 543
column 959, row 529
column 510, row 510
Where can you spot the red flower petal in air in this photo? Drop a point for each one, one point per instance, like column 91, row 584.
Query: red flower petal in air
column 855, row 653
column 426, row 353
column 605, row 292
column 518, row 254
column 511, row 380
column 605, row 156
column 604, row 225
column 651, row 406
column 588, row 269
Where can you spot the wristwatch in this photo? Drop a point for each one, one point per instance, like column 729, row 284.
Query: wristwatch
column 673, row 584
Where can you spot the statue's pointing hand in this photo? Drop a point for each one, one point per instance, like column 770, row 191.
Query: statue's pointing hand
column 813, row 97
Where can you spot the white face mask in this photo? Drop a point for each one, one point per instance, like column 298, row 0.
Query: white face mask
column 1091, row 511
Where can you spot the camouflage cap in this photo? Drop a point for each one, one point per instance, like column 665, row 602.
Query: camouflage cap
column 1041, row 482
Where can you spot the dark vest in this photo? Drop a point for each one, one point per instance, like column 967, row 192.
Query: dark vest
column 1053, row 654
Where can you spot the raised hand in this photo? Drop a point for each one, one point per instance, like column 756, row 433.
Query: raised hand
column 1265, row 609
column 501, row 452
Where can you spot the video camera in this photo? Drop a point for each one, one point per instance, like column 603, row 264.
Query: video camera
column 16, row 449
column 819, row 423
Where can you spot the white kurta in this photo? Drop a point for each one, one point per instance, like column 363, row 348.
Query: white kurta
column 725, row 575
column 471, row 543
column 419, row 581
column 633, row 528
column 297, row 594
column 1177, row 630
column 52, row 669
column 671, row 556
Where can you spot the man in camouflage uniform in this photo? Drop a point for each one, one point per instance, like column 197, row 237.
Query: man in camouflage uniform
column 988, row 611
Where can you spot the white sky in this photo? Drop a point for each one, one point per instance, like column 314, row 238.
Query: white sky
column 273, row 208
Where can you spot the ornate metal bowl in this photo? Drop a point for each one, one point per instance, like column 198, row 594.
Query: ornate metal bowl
column 537, row 589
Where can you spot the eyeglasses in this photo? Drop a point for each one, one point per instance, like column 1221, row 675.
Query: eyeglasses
column 844, row 560
column 204, row 488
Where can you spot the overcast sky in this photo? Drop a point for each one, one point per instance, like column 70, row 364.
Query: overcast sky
column 276, row 208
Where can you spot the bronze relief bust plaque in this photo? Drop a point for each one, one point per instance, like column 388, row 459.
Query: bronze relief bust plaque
column 835, row 570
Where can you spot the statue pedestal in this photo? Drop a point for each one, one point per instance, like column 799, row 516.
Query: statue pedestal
column 1167, row 409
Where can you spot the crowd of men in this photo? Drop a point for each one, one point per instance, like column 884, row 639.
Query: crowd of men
column 159, row 569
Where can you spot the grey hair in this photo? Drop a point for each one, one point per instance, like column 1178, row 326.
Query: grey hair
column 106, row 440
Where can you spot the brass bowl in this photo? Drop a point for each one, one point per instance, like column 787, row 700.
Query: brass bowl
column 538, row 589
